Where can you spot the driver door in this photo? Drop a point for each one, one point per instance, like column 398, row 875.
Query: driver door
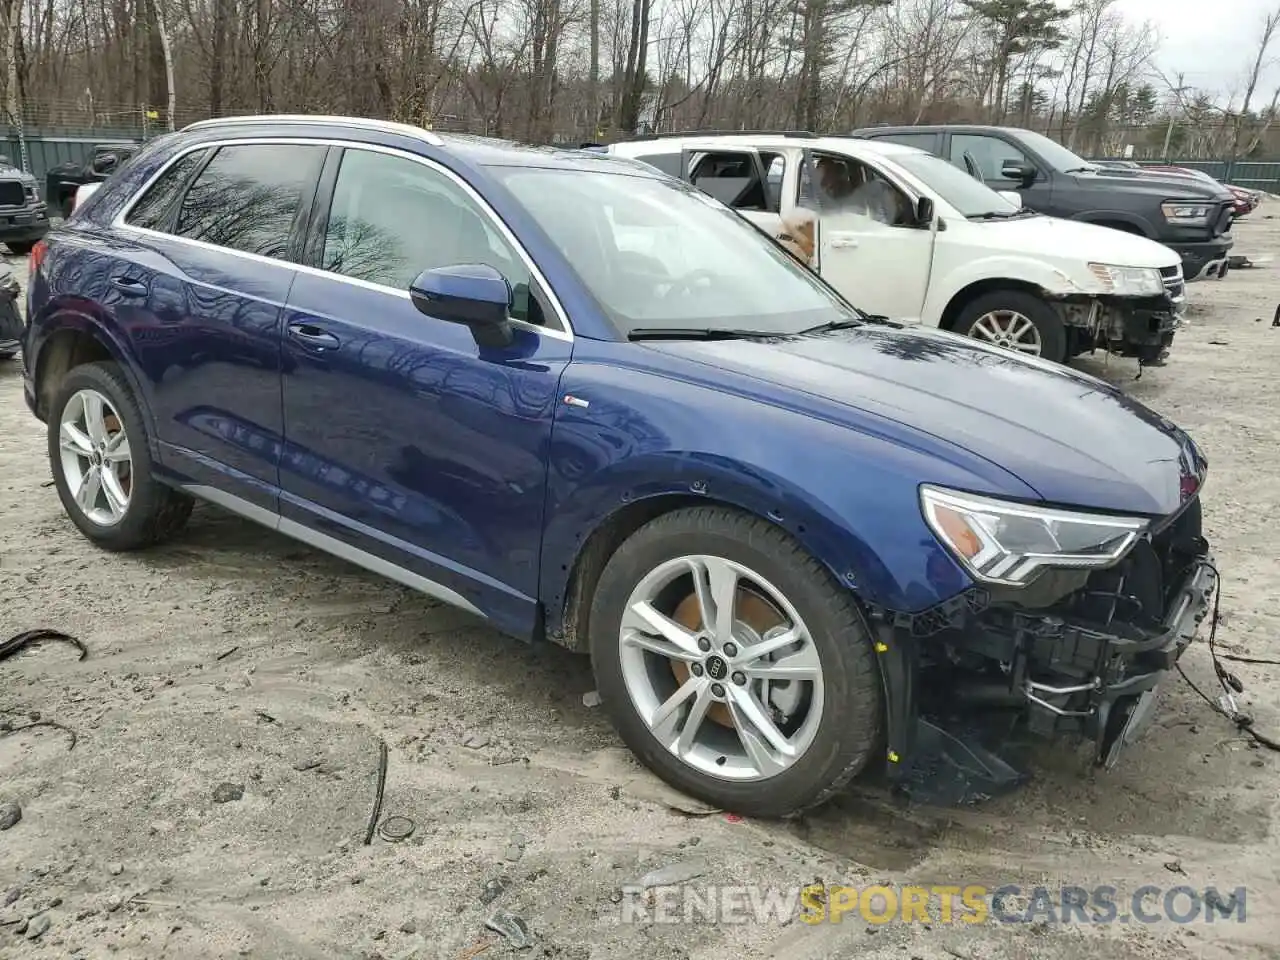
column 869, row 246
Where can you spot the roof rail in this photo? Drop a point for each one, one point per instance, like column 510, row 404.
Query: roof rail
column 365, row 123
column 724, row 133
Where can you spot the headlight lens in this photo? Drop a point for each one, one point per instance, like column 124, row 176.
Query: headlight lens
column 1128, row 281
column 1011, row 543
column 1186, row 212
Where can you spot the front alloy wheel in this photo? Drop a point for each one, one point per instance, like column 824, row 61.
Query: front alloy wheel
column 733, row 664
column 1008, row 329
column 721, row 668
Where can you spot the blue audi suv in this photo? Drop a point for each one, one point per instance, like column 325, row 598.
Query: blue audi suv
column 591, row 405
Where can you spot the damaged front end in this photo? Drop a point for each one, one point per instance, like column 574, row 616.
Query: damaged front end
column 1078, row 654
column 1128, row 326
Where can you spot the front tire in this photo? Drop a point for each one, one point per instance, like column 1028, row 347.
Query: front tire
column 20, row 249
column 101, row 460
column 733, row 665
column 1016, row 320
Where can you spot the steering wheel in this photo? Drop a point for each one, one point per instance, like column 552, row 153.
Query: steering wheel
column 683, row 286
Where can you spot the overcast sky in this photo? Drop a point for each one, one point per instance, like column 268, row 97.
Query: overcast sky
column 1212, row 41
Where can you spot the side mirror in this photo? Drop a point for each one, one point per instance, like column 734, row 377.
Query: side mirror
column 924, row 212
column 473, row 294
column 1019, row 170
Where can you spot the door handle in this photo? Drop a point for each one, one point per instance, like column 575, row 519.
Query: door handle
column 842, row 240
column 309, row 335
column 129, row 286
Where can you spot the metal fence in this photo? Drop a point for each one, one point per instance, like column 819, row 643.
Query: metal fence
column 39, row 150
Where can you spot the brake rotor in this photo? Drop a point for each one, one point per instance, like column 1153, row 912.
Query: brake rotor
column 750, row 610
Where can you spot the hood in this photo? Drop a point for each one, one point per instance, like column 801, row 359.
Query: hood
column 1086, row 242
column 1072, row 438
column 1154, row 182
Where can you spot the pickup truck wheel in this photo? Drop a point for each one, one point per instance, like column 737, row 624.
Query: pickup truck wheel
column 733, row 665
column 101, row 463
column 19, row 249
column 1017, row 321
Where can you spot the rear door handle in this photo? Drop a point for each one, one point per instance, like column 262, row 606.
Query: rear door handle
column 129, row 286
column 308, row 334
column 843, row 240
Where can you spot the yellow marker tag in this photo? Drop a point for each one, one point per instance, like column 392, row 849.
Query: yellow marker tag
column 893, row 757
column 881, row 647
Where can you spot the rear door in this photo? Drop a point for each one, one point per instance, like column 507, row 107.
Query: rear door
column 411, row 449
column 737, row 177
column 199, row 291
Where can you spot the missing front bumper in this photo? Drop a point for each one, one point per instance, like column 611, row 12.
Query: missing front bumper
column 965, row 683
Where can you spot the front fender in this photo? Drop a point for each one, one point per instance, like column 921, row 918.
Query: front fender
column 1056, row 280
column 1141, row 224
column 849, row 496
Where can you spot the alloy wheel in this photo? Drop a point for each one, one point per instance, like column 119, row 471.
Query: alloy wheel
column 95, row 457
column 721, row 668
column 1009, row 329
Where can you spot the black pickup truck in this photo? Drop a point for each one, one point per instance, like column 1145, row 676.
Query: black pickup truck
column 1192, row 218
column 62, row 181
column 23, row 216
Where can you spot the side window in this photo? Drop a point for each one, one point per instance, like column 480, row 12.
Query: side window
column 668, row 163
column 921, row 141
column 731, row 178
column 154, row 209
column 392, row 218
column 983, row 157
column 248, row 196
column 840, row 186
column 775, row 165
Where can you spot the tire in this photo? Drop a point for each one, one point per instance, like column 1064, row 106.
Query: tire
column 152, row 512
column 1048, row 326
column 844, row 717
column 19, row 249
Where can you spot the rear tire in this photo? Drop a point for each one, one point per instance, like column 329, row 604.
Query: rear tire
column 1016, row 320
column 102, row 465
column 831, row 721
column 19, row 249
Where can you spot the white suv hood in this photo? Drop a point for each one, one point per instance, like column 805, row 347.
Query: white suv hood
column 1069, row 240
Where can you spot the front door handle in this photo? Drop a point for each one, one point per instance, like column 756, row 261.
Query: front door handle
column 129, row 286
column 842, row 240
column 309, row 335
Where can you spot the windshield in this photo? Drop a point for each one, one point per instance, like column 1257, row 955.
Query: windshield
column 657, row 255
column 1054, row 153
column 969, row 196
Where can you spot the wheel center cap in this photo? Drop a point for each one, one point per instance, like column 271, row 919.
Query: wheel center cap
column 717, row 669
column 96, row 459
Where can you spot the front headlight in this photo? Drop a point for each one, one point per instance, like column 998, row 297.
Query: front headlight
column 1187, row 213
column 1011, row 543
column 1128, row 281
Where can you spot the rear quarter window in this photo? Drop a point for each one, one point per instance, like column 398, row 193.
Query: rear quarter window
column 249, row 195
column 154, row 209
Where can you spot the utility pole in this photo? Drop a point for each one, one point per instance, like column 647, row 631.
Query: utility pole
column 1177, row 92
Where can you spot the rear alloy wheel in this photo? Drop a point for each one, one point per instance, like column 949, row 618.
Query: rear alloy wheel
column 1017, row 321
column 733, row 665
column 101, row 463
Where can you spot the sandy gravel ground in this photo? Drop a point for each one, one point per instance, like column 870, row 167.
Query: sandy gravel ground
column 234, row 656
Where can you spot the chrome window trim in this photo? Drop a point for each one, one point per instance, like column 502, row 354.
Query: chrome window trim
column 118, row 222
column 365, row 123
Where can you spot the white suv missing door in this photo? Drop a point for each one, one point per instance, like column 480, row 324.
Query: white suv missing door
column 906, row 235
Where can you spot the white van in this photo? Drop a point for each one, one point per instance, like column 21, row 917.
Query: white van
column 906, row 235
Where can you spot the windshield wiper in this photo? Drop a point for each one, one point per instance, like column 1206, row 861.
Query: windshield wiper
column 840, row 325
column 697, row 333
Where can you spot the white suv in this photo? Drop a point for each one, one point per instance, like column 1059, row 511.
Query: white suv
column 936, row 246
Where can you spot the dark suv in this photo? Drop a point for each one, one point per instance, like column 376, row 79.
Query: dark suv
column 62, row 181
column 23, row 216
column 1191, row 218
